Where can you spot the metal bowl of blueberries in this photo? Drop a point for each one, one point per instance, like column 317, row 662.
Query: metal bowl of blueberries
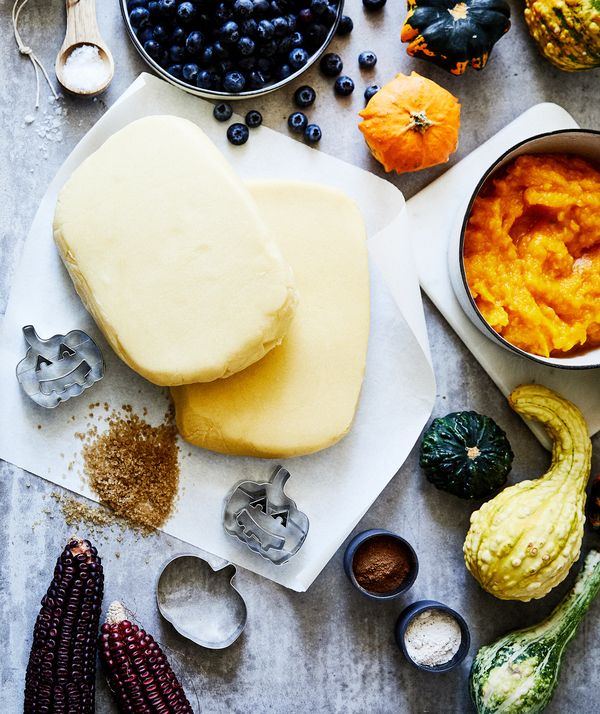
column 231, row 48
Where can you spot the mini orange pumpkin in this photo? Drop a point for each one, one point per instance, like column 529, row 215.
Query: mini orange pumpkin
column 411, row 123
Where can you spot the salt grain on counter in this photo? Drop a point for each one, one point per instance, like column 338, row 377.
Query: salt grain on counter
column 85, row 70
column 432, row 638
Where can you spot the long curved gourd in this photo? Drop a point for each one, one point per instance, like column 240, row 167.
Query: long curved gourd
column 567, row 32
column 523, row 542
column 518, row 673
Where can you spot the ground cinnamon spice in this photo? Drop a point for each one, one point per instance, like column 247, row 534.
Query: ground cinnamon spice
column 381, row 564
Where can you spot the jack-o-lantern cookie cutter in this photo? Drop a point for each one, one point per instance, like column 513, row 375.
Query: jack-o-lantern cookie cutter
column 265, row 519
column 58, row 368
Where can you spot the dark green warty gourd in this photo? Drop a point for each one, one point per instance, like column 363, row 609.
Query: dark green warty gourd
column 518, row 673
column 467, row 454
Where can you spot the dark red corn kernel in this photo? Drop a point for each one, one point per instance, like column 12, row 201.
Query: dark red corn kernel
column 61, row 670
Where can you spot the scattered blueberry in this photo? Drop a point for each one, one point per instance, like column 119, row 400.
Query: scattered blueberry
column 298, row 58
column 253, row 119
column 243, row 8
column 297, row 122
column 139, row 17
column 367, row 60
column 194, row 42
column 234, row 82
column 343, row 86
column 304, row 96
column 222, row 111
column 345, row 27
column 371, row 91
column 238, row 134
column 313, row 133
column 186, row 11
column 190, row 72
column 372, row 5
column 331, row 64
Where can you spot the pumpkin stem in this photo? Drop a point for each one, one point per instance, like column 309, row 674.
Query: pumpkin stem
column 472, row 452
column 420, row 121
column 459, row 11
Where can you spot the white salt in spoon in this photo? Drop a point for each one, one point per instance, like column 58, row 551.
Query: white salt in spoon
column 84, row 64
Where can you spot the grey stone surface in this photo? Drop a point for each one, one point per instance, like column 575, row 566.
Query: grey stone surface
column 328, row 650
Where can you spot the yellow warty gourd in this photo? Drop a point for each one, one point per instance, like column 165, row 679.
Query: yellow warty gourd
column 523, row 542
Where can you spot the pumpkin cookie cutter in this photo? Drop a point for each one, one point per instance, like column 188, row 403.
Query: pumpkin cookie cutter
column 60, row 367
column 201, row 601
column 263, row 517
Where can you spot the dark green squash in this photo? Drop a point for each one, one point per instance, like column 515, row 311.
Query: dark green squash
column 455, row 34
column 466, row 454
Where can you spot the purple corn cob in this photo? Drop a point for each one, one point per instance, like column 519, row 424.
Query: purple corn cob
column 61, row 674
column 138, row 671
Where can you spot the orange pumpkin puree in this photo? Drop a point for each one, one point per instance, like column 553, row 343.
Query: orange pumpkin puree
column 532, row 253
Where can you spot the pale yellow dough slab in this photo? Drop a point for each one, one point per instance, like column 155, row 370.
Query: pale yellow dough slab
column 303, row 395
column 170, row 255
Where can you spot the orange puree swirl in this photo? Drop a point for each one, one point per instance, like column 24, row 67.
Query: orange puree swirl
column 532, row 253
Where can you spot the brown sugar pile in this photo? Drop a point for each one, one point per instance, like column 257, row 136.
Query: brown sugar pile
column 134, row 467
column 381, row 564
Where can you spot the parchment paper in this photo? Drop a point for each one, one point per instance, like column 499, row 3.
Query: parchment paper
column 334, row 487
column 448, row 194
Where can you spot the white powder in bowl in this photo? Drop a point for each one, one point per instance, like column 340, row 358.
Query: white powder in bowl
column 432, row 638
column 85, row 70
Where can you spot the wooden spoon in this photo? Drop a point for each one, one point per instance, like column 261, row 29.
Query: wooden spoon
column 82, row 29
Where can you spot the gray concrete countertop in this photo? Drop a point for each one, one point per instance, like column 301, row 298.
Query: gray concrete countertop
column 327, row 650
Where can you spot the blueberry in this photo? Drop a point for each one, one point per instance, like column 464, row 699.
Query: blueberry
column 144, row 34
column 234, row 82
column 218, row 50
column 257, row 79
column 297, row 39
column 223, row 12
column 249, row 27
column 316, row 35
column 261, row 7
column 313, row 133
column 280, row 26
column 229, row 33
column 139, row 17
column 343, row 86
column 298, row 58
column 246, row 46
column 160, row 33
column 153, row 8
column 297, row 122
column 285, row 46
column 167, row 8
column 331, row 64
column 367, row 60
column 190, row 72
column 136, row 3
column 284, row 71
column 194, row 42
column 176, row 53
column 243, row 8
column 186, row 11
column 371, row 91
column 264, row 64
column 224, row 66
column 247, row 63
column 268, row 49
column 206, row 80
column 345, row 27
column 291, row 21
column 318, row 7
column 238, row 134
column 372, row 5
column 305, row 96
column 175, row 70
column 253, row 119
column 152, row 48
column 178, row 35
column 330, row 14
column 222, row 111
column 305, row 15
column 208, row 55
column 265, row 30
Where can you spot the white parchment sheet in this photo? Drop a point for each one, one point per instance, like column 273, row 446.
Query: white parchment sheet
column 334, row 487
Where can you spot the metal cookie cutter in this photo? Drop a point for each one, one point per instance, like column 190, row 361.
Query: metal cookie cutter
column 60, row 367
column 201, row 601
column 265, row 519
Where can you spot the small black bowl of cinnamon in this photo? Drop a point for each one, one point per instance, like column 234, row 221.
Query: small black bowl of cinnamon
column 380, row 564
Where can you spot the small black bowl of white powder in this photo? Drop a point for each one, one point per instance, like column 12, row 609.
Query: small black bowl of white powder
column 432, row 636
